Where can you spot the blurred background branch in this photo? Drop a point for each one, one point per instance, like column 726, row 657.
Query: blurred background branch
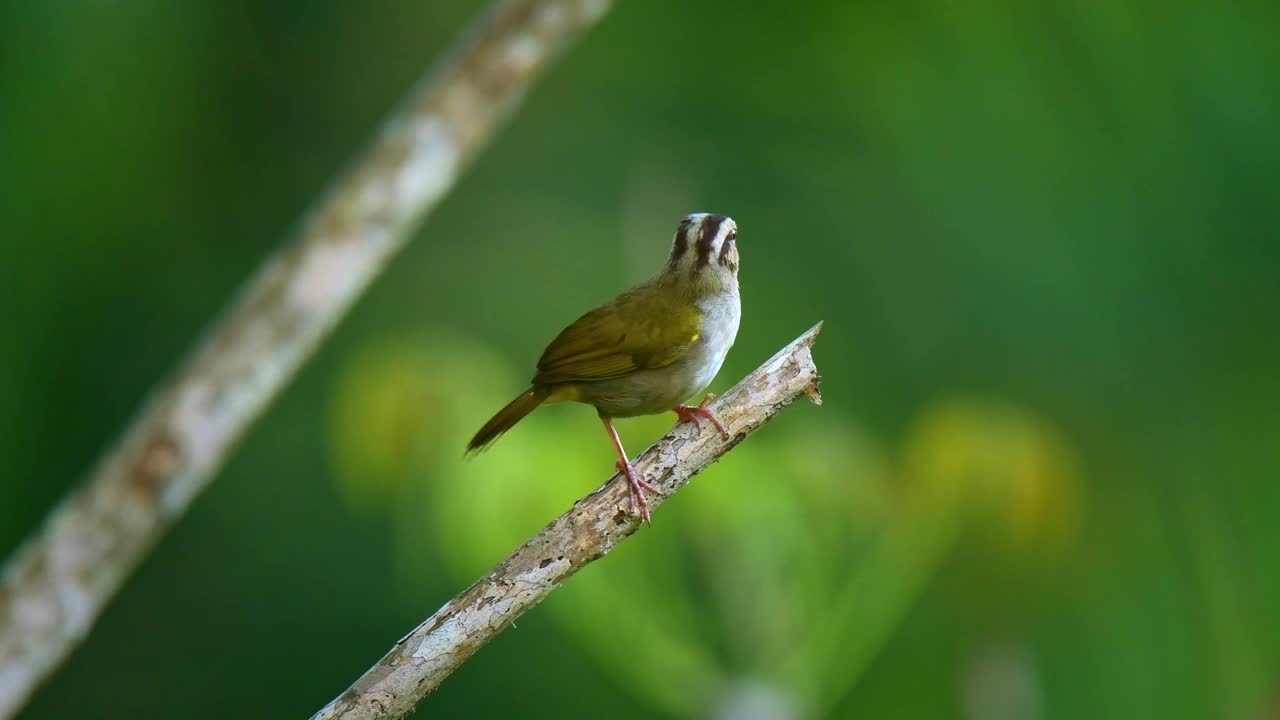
column 60, row 579
column 421, row 660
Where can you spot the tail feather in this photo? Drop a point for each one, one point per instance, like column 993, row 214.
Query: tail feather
column 507, row 417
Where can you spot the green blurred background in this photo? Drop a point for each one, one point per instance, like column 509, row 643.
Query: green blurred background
column 1044, row 237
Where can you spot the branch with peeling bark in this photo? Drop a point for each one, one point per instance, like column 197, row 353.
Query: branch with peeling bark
column 61, row 578
column 421, row 660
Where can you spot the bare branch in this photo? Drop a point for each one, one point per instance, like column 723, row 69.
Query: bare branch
column 60, row 579
column 425, row 657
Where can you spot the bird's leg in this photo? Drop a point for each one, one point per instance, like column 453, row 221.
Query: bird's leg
column 696, row 413
column 635, row 484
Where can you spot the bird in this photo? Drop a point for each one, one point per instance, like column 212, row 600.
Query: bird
column 647, row 350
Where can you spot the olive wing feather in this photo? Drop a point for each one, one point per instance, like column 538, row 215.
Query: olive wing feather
column 634, row 332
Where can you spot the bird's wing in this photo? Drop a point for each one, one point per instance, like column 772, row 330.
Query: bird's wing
column 636, row 331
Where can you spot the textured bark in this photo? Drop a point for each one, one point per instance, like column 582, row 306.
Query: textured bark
column 60, row 579
column 421, row 660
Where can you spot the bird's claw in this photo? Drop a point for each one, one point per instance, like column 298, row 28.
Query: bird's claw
column 697, row 413
column 636, row 487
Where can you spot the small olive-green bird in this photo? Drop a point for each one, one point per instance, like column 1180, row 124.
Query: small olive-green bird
column 647, row 350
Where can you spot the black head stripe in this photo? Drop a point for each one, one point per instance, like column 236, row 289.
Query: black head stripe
column 681, row 242
column 707, row 236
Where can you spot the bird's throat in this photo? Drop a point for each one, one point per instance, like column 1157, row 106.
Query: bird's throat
column 700, row 284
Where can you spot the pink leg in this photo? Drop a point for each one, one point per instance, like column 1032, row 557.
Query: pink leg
column 635, row 484
column 696, row 413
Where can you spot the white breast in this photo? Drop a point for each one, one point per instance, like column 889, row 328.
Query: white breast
column 721, row 314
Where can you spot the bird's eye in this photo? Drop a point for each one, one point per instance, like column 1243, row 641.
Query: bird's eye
column 733, row 235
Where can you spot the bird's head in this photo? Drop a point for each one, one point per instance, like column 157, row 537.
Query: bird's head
column 704, row 251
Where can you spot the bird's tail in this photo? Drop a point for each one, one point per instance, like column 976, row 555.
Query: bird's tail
column 507, row 417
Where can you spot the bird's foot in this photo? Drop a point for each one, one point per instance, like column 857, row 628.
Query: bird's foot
column 636, row 485
column 697, row 413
